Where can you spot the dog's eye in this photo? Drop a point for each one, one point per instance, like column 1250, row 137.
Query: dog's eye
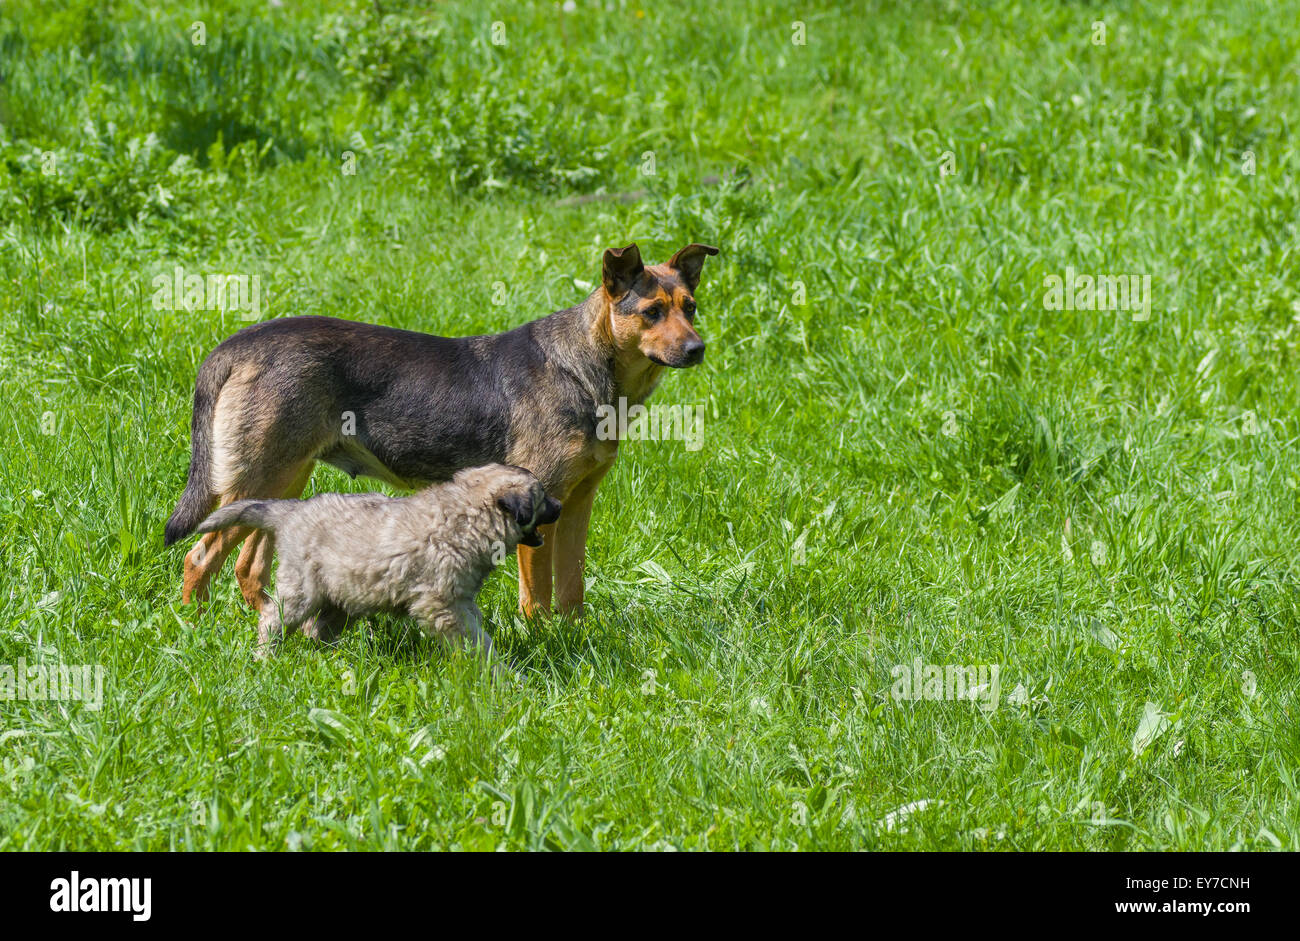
column 653, row 312
column 689, row 310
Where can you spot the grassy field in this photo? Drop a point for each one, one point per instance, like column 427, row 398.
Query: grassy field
column 908, row 453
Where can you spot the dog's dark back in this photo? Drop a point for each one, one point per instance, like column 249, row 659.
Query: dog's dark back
column 410, row 408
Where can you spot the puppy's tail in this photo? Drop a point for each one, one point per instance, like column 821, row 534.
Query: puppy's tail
column 198, row 498
column 259, row 514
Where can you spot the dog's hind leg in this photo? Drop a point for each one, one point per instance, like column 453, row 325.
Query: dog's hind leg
column 471, row 628
column 253, row 570
column 205, row 560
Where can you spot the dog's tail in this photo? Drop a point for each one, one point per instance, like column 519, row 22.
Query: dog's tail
column 198, row 498
column 259, row 514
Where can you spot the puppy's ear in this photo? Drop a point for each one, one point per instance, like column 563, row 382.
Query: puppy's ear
column 689, row 262
column 620, row 268
column 518, row 504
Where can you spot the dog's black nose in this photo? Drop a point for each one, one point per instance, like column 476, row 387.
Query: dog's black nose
column 693, row 351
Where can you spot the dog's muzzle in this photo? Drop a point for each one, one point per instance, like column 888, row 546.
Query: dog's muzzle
column 693, row 353
column 690, row 354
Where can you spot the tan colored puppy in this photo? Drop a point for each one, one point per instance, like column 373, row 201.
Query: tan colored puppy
column 425, row 555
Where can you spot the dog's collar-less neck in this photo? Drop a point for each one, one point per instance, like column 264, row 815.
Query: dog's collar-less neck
column 636, row 389
column 582, row 346
column 630, row 383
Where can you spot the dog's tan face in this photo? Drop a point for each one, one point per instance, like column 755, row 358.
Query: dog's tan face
column 522, row 498
column 652, row 309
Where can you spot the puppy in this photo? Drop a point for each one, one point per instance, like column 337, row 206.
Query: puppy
column 426, row 555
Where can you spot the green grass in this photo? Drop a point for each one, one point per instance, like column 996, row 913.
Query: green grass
column 920, row 460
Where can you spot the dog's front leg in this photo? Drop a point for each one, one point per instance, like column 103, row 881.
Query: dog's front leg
column 535, row 574
column 571, row 545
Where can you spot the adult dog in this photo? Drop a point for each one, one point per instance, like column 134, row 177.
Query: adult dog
column 411, row 409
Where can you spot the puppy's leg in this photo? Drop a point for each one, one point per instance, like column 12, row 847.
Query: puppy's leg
column 270, row 630
column 280, row 615
column 471, row 628
column 205, row 560
column 472, row 625
column 441, row 621
column 459, row 624
column 253, row 570
column 462, row 625
column 326, row 625
column 535, row 574
column 292, row 603
column 571, row 544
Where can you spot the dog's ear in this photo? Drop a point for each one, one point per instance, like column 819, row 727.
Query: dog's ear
column 689, row 262
column 620, row 268
column 518, row 504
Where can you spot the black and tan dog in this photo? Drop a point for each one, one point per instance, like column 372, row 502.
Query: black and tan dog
column 412, row 409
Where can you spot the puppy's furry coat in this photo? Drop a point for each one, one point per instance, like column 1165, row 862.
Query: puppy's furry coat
column 426, row 555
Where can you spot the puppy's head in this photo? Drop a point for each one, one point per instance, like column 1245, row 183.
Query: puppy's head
column 652, row 308
column 525, row 503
